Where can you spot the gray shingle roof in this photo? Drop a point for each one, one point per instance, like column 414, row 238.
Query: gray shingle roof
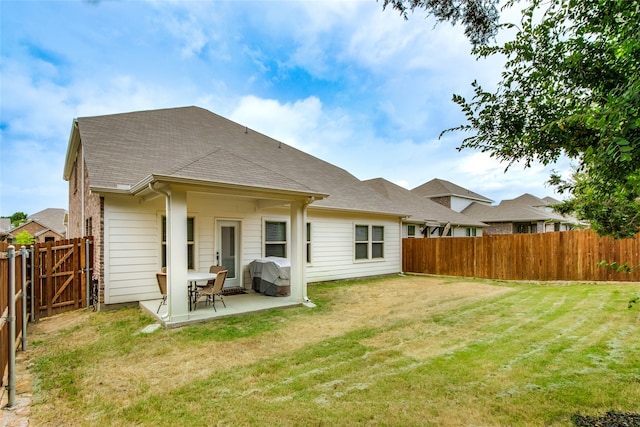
column 524, row 208
column 420, row 209
column 5, row 225
column 525, row 200
column 439, row 187
column 193, row 143
column 551, row 201
column 52, row 218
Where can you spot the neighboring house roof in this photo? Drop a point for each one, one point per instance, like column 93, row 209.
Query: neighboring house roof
column 124, row 152
column 440, row 188
column 420, row 209
column 524, row 208
column 5, row 226
column 525, row 200
column 42, row 228
column 551, row 201
column 52, row 218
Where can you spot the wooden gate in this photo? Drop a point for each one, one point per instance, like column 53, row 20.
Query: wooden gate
column 63, row 270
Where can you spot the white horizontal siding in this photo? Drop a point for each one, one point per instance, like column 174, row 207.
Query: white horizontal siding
column 133, row 242
column 459, row 204
column 333, row 247
column 132, row 249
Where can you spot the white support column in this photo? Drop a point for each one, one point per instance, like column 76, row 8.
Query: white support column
column 177, row 294
column 298, row 251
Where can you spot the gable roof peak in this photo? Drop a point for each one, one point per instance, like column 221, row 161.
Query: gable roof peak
column 439, row 188
column 420, row 209
column 526, row 199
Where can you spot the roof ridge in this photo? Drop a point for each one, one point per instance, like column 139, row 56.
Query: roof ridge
column 193, row 160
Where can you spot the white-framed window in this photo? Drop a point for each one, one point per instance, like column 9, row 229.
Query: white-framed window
column 525, row 228
column 275, row 239
column 190, row 242
column 88, row 226
column 308, row 243
column 362, row 242
column 411, row 230
column 369, row 242
column 440, row 231
column 471, row 232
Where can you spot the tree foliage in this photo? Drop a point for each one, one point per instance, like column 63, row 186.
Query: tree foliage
column 24, row 238
column 479, row 17
column 570, row 86
column 17, row 218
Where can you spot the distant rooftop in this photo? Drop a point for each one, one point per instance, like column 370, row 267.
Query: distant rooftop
column 52, row 218
column 440, row 188
column 422, row 210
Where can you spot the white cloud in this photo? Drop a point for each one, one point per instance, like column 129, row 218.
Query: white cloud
column 403, row 183
column 303, row 124
column 373, row 96
column 36, row 105
column 192, row 37
column 287, row 122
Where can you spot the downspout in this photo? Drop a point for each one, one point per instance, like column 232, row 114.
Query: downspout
column 401, row 226
column 82, row 216
column 167, row 207
column 159, row 191
column 310, row 200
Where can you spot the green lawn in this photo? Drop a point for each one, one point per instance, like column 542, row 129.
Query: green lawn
column 395, row 351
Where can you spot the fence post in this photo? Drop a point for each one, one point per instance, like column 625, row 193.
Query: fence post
column 50, row 292
column 25, row 254
column 87, row 277
column 11, row 319
column 33, row 275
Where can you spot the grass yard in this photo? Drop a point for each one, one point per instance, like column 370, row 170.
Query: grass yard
column 394, row 351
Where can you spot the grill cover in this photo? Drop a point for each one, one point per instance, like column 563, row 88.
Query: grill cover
column 270, row 276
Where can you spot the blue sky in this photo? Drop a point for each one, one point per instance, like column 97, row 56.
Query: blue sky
column 344, row 81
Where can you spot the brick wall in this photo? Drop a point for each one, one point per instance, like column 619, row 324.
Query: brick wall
column 92, row 222
column 51, row 235
column 31, row 227
column 444, row 201
column 499, row 228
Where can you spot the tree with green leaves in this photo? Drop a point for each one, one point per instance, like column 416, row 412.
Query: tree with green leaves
column 18, row 218
column 479, row 17
column 24, row 238
column 570, row 87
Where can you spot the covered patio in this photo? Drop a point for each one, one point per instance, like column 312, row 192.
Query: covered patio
column 177, row 193
column 236, row 304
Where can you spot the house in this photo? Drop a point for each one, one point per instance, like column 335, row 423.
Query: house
column 186, row 188
column 426, row 217
column 47, row 225
column 5, row 228
column 449, row 194
column 524, row 214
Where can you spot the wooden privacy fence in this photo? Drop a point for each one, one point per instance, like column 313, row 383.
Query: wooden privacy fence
column 43, row 280
column 13, row 285
column 562, row 256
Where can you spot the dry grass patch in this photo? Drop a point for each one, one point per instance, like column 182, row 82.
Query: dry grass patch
column 406, row 350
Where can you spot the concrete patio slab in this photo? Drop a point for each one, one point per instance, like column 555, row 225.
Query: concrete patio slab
column 238, row 304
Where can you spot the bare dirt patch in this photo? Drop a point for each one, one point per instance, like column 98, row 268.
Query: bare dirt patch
column 53, row 324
